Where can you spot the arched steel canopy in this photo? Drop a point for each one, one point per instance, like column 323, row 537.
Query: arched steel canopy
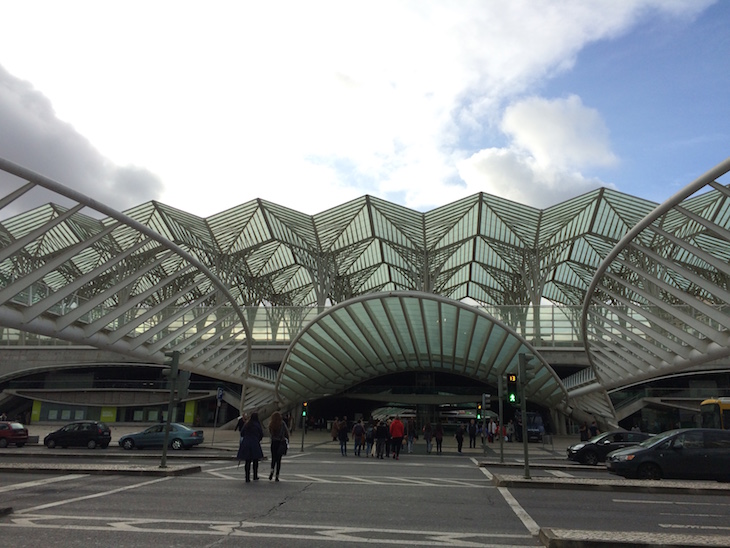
column 658, row 304
column 383, row 333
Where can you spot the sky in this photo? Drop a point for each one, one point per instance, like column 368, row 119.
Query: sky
column 203, row 106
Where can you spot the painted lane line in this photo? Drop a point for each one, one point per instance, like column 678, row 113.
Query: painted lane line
column 96, row 495
column 560, row 474
column 314, row 479
column 483, row 469
column 29, row 484
column 362, row 480
column 670, row 502
column 528, row 522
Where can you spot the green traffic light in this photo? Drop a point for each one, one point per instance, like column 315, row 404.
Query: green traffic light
column 512, row 398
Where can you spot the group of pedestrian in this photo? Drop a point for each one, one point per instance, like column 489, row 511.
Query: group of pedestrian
column 249, row 449
column 378, row 438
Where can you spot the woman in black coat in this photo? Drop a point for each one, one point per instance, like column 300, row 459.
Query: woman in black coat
column 250, row 450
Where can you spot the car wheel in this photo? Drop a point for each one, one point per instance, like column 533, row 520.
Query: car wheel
column 91, row 444
column 590, row 458
column 128, row 444
column 50, row 444
column 650, row 471
column 3, row 442
column 176, row 444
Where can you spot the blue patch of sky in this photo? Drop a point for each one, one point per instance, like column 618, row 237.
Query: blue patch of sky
column 662, row 90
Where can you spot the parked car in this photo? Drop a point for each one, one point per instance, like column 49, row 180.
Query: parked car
column 595, row 449
column 13, row 432
column 687, row 453
column 181, row 437
column 89, row 434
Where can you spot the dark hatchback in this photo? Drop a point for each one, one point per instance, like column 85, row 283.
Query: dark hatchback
column 89, row 434
column 12, row 432
column 595, row 449
column 687, row 453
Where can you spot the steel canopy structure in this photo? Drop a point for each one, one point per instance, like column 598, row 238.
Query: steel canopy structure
column 374, row 335
column 660, row 301
column 155, row 279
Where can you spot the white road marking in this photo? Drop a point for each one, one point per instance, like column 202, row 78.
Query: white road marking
column 29, row 484
column 95, row 495
column 362, row 480
column 244, row 529
column 560, row 474
column 670, row 502
column 314, row 479
column 672, row 514
column 486, row 472
column 528, row 522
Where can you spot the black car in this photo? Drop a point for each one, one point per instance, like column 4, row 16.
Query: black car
column 89, row 434
column 687, row 453
column 595, row 449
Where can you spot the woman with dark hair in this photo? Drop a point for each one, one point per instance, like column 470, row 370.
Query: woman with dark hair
column 249, row 450
column 279, row 441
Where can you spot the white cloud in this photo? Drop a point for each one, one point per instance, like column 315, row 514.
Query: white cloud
column 551, row 140
column 311, row 104
column 34, row 138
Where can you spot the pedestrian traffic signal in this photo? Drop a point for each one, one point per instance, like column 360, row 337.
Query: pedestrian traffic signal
column 479, row 411
column 304, row 409
column 512, row 395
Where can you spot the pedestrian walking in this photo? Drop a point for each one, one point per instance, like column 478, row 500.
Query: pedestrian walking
column 472, row 434
column 459, row 435
column 438, row 435
column 369, row 439
column 381, row 439
column 335, row 429
column 411, row 434
column 249, row 449
column 344, row 436
column 279, row 434
column 358, row 436
column 396, row 435
column 428, row 437
column 242, row 418
column 510, row 431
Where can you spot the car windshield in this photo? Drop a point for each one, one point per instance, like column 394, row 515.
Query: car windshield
column 16, row 426
column 599, row 437
column 657, row 439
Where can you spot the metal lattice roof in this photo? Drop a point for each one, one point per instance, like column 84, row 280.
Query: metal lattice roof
column 155, row 278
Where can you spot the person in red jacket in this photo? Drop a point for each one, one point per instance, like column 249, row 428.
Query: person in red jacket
column 396, row 435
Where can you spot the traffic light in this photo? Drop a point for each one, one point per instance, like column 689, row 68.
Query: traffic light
column 171, row 373
column 479, row 411
column 183, row 384
column 527, row 367
column 512, row 394
column 304, row 409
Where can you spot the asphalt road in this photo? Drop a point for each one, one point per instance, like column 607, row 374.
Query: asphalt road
column 324, row 499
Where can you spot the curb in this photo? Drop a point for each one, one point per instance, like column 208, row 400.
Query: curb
column 635, row 486
column 572, row 538
column 103, row 469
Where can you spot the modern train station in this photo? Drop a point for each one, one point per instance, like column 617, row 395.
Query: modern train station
column 618, row 305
